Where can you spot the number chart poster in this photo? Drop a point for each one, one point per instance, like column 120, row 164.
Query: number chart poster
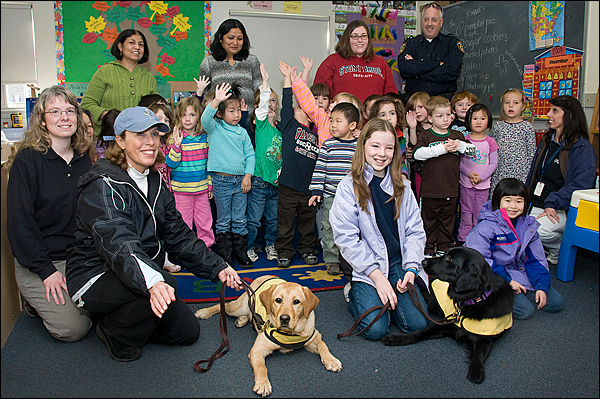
column 177, row 33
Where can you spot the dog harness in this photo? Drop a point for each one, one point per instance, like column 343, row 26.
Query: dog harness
column 481, row 327
column 275, row 335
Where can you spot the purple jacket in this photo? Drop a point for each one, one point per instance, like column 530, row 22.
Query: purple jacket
column 512, row 252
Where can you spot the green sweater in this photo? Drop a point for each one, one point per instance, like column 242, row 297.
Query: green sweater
column 113, row 86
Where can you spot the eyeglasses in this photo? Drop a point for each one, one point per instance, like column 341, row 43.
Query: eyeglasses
column 364, row 36
column 57, row 113
column 434, row 5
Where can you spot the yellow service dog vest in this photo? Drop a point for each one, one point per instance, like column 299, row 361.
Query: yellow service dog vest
column 277, row 336
column 481, row 327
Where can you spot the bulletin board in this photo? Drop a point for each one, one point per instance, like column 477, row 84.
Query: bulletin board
column 177, row 32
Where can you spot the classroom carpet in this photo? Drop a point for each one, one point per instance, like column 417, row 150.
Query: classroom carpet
column 193, row 289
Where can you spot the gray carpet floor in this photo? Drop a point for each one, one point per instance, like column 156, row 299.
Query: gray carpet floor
column 548, row 355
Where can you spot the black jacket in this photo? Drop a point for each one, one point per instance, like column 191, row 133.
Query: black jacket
column 117, row 226
column 423, row 72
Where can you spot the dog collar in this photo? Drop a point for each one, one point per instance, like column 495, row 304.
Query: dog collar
column 478, row 299
column 284, row 339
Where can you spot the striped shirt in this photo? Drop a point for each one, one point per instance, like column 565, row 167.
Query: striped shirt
column 188, row 165
column 333, row 163
column 306, row 101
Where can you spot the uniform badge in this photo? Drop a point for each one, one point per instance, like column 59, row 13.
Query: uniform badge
column 459, row 44
column 404, row 46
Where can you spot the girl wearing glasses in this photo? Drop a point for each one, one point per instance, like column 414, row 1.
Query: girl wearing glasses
column 41, row 206
column 354, row 67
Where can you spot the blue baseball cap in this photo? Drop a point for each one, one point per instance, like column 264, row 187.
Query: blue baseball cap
column 138, row 119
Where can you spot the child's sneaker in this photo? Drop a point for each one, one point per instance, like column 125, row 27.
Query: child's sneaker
column 283, row 262
column 309, row 258
column 271, row 252
column 347, row 291
column 252, row 255
column 333, row 269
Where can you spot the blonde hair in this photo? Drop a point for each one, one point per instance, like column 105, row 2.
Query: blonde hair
column 257, row 102
column 436, row 102
column 519, row 93
column 361, row 188
column 345, row 97
column 421, row 96
column 37, row 136
column 182, row 107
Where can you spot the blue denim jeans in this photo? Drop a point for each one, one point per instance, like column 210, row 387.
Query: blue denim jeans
column 406, row 316
column 525, row 304
column 231, row 204
column 262, row 199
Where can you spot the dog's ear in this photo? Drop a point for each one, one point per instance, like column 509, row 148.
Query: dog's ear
column 265, row 298
column 311, row 301
column 467, row 279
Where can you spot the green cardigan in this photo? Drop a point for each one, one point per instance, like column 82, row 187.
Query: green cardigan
column 113, row 86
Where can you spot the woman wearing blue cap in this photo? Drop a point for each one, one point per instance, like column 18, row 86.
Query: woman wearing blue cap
column 126, row 221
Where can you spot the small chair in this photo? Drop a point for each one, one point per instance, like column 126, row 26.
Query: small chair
column 581, row 230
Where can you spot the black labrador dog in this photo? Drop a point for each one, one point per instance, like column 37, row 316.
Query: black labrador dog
column 484, row 303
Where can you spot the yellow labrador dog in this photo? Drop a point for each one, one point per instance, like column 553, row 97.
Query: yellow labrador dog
column 284, row 317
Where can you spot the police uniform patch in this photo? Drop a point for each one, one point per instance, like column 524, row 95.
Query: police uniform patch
column 459, row 44
column 404, row 46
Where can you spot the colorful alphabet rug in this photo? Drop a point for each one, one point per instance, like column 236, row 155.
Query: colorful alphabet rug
column 192, row 289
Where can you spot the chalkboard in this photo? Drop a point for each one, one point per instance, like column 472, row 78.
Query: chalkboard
column 495, row 38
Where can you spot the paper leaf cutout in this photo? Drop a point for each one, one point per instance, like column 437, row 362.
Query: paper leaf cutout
column 100, row 6
column 158, row 7
column 181, row 23
column 110, row 35
column 163, row 70
column 171, row 12
column 145, row 22
column 180, row 36
column 167, row 43
column 157, row 30
column 89, row 38
column 95, row 25
column 167, row 59
column 116, row 15
column 134, row 14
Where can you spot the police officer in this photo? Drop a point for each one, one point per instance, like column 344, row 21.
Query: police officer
column 431, row 61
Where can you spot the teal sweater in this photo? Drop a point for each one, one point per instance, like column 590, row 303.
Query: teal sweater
column 229, row 147
column 113, row 86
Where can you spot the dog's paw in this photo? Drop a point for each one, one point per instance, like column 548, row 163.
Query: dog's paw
column 333, row 364
column 263, row 387
column 476, row 374
column 203, row 313
column 396, row 340
column 242, row 321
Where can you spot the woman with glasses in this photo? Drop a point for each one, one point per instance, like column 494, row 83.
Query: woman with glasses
column 123, row 82
column 41, row 207
column 354, row 68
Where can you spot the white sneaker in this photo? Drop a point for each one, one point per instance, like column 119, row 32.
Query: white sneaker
column 347, row 291
column 252, row 255
column 552, row 258
column 271, row 252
